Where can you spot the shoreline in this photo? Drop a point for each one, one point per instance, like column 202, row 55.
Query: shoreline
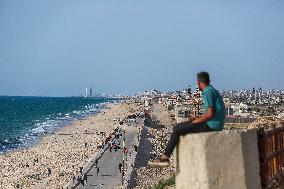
column 40, row 137
column 63, row 152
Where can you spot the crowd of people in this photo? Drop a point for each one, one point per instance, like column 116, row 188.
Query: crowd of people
column 113, row 144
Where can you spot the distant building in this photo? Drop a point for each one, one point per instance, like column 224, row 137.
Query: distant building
column 86, row 92
column 229, row 111
column 91, row 92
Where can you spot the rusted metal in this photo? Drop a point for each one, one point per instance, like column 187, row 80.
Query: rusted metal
column 271, row 154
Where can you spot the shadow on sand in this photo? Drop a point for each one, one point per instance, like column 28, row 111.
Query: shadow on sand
column 145, row 147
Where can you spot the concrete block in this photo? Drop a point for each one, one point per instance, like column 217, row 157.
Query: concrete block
column 218, row 160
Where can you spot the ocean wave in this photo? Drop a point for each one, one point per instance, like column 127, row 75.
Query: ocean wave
column 48, row 125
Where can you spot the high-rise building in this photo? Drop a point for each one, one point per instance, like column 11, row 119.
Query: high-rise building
column 86, row 93
column 91, row 92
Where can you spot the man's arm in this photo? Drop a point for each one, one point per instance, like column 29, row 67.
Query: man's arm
column 206, row 117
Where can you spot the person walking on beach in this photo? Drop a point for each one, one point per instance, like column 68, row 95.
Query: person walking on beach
column 135, row 148
column 125, row 150
column 49, row 171
column 96, row 163
column 212, row 120
column 98, row 171
column 120, row 167
column 115, row 147
column 86, row 178
column 109, row 146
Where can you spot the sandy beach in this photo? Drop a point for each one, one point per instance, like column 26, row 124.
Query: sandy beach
column 56, row 158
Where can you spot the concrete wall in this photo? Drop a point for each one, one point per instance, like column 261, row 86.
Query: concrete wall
column 218, row 160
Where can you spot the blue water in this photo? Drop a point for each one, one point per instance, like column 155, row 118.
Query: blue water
column 24, row 119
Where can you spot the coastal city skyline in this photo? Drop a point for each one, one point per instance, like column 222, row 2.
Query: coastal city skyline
column 89, row 93
column 55, row 48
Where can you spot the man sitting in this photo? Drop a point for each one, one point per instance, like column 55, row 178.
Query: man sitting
column 212, row 120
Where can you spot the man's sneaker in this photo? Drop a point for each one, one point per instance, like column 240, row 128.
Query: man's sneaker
column 159, row 163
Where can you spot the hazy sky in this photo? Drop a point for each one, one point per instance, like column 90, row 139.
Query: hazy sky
column 59, row 47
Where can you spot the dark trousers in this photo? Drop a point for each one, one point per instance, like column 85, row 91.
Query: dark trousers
column 183, row 129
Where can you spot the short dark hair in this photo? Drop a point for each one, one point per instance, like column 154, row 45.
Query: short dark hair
column 203, row 77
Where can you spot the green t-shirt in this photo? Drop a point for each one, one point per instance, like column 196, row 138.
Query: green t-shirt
column 212, row 98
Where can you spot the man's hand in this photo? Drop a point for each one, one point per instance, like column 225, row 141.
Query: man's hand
column 191, row 117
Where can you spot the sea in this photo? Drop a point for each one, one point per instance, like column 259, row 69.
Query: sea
column 23, row 120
